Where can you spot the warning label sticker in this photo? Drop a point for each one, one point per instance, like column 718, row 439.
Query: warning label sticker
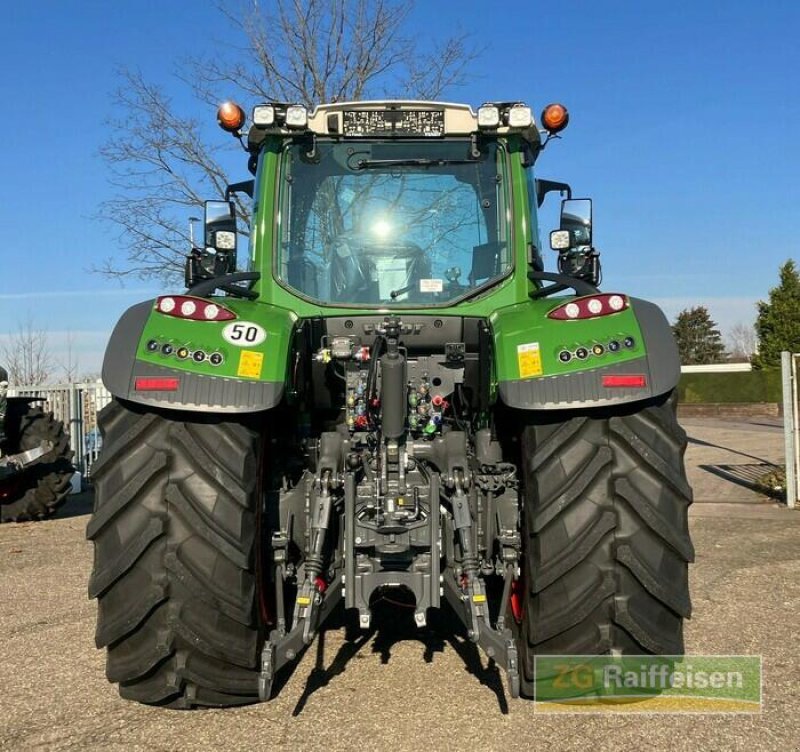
column 529, row 358
column 250, row 364
column 431, row 285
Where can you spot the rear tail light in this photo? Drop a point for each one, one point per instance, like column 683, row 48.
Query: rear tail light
column 196, row 309
column 589, row 307
column 167, row 384
column 632, row 381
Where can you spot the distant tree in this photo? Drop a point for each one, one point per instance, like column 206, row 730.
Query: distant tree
column 741, row 342
column 699, row 340
column 778, row 321
column 26, row 355
column 160, row 162
column 69, row 364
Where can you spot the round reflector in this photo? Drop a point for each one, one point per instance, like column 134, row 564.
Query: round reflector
column 555, row 117
column 230, row 117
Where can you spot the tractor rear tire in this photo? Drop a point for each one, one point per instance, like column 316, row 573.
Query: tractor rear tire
column 44, row 486
column 606, row 536
column 175, row 537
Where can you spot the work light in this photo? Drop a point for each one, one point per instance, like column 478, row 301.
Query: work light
column 519, row 116
column 263, row 115
column 488, row 116
column 296, row 116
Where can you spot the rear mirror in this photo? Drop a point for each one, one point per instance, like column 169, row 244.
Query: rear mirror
column 576, row 225
column 217, row 254
column 220, row 226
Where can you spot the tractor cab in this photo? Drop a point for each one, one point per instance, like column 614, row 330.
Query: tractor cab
column 386, row 204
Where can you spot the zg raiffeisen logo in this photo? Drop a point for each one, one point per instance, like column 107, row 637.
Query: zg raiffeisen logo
column 648, row 684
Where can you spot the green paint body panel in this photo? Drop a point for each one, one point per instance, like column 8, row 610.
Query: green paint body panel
column 528, row 324
column 207, row 337
column 514, row 327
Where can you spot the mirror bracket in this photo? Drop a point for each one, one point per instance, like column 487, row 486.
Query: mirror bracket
column 560, row 282
column 543, row 187
column 245, row 186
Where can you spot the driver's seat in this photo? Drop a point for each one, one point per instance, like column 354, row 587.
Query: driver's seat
column 370, row 272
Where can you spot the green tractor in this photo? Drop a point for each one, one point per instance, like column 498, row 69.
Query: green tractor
column 392, row 398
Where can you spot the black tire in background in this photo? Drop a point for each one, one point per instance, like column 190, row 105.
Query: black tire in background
column 37, row 492
column 174, row 531
column 606, row 534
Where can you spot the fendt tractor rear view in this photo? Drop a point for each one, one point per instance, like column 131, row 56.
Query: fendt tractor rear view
column 388, row 396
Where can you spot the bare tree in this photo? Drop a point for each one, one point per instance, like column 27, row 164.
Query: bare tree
column 26, row 355
column 69, row 363
column 303, row 51
column 161, row 170
column 741, row 342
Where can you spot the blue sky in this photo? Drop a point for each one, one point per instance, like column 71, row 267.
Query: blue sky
column 684, row 131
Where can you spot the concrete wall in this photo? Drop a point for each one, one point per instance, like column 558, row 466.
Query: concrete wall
column 729, row 409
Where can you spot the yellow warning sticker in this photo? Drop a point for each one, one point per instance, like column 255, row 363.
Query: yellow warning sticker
column 529, row 358
column 479, row 598
column 303, row 600
column 250, row 364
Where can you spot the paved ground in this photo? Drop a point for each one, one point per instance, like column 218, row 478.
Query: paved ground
column 403, row 691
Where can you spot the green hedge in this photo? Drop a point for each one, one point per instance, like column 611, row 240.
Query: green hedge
column 752, row 386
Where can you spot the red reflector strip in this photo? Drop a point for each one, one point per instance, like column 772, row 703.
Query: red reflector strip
column 637, row 381
column 156, row 385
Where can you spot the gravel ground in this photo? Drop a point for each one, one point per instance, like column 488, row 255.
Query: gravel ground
column 397, row 688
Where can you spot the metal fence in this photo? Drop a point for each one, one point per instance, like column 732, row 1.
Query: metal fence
column 76, row 406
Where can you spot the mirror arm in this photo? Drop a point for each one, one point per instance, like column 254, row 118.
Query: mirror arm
column 239, row 292
column 227, row 283
column 543, row 187
column 245, row 186
column 562, row 282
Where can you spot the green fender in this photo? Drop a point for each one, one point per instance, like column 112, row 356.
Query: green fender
column 532, row 376
column 182, row 364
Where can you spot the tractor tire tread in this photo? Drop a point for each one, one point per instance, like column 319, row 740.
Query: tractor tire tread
column 174, row 574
